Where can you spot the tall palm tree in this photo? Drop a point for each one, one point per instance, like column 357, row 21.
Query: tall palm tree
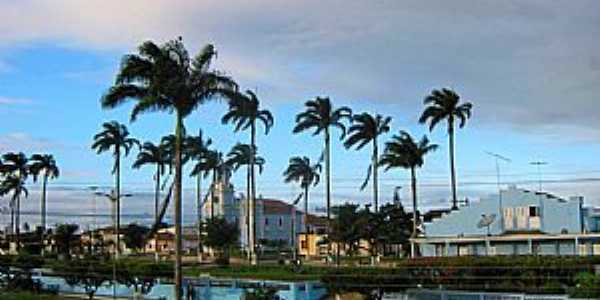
column 365, row 129
column 16, row 170
column 301, row 170
column 244, row 111
column 321, row 117
column 196, row 148
column 155, row 155
column 115, row 137
column 165, row 78
column 406, row 153
column 45, row 165
column 211, row 163
column 442, row 105
column 242, row 155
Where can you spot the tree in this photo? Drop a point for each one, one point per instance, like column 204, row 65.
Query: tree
column 221, row 235
column 90, row 274
column 151, row 154
column 404, row 152
column 321, row 116
column 242, row 155
column 302, row 171
column 65, row 238
column 397, row 225
column 345, row 230
column 15, row 168
column 442, row 105
column 244, row 111
column 134, row 236
column 165, row 78
column 115, row 136
column 212, row 162
column 196, row 148
column 364, row 130
column 45, row 165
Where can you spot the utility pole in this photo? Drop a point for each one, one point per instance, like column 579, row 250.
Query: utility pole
column 497, row 159
column 538, row 164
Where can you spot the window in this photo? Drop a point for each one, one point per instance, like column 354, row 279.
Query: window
column 534, row 211
column 280, row 222
column 266, row 221
column 303, row 244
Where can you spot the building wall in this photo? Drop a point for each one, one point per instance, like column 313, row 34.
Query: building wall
column 555, row 216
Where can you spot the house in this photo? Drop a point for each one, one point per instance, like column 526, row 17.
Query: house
column 163, row 242
column 514, row 222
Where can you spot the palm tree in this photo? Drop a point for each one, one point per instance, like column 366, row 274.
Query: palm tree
column 244, row 111
column 301, row 170
column 16, row 170
column 241, row 155
column 115, row 137
column 196, row 148
column 211, row 163
column 165, row 78
column 404, row 152
column 321, row 116
column 366, row 129
column 43, row 164
column 441, row 105
column 151, row 154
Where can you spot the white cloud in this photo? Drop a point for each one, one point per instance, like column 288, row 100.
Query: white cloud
column 6, row 101
column 19, row 141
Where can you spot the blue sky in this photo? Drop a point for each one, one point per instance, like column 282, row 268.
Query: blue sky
column 532, row 70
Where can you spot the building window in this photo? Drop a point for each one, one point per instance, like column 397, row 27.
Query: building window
column 280, row 222
column 266, row 221
column 303, row 244
column 534, row 211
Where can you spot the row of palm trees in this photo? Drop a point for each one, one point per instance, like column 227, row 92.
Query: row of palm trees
column 15, row 169
column 165, row 78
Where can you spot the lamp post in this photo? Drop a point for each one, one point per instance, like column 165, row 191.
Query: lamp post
column 112, row 197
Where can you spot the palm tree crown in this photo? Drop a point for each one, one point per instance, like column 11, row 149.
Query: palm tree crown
column 114, row 136
column 151, row 154
column 43, row 163
column 320, row 116
column 244, row 110
column 15, row 185
column 16, row 164
column 241, row 155
column 404, row 152
column 302, row 171
column 441, row 105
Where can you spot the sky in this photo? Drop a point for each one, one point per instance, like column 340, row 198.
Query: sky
column 531, row 69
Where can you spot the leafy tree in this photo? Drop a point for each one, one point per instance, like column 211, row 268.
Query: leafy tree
column 366, row 129
column 15, row 169
column 115, row 136
column 134, row 236
column 151, row 154
column 345, row 230
column 406, row 153
column 244, row 111
column 44, row 165
column 302, row 171
column 220, row 235
column 65, row 238
column 165, row 78
column 396, row 226
column 321, row 116
column 442, row 105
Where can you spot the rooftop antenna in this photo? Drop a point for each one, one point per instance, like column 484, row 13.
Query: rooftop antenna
column 497, row 157
column 539, row 165
column 486, row 221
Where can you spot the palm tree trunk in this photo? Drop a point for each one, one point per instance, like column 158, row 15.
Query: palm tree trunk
column 43, row 210
column 452, row 168
column 413, row 183
column 212, row 194
column 199, row 211
column 328, row 185
column 157, row 193
column 254, row 253
column 375, row 169
column 306, row 211
column 18, row 221
column 248, row 214
column 118, row 201
column 178, row 212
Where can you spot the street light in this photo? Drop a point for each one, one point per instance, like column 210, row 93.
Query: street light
column 113, row 199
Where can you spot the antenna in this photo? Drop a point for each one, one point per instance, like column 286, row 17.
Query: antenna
column 486, row 221
column 497, row 157
column 539, row 165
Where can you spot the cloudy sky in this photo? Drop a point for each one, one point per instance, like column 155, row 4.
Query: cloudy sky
column 531, row 68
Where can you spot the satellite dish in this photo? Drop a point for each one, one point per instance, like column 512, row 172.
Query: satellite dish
column 486, row 220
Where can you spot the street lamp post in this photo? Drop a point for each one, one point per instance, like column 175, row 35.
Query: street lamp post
column 113, row 199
